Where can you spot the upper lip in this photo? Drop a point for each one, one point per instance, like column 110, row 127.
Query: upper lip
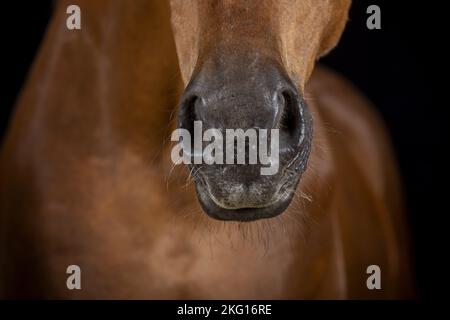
column 217, row 202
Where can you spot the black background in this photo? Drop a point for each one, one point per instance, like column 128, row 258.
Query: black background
column 397, row 67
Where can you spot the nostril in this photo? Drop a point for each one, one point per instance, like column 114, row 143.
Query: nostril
column 290, row 119
column 188, row 114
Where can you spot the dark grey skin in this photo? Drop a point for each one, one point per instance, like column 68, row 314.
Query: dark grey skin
column 232, row 92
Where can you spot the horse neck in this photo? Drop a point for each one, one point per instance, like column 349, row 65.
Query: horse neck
column 112, row 84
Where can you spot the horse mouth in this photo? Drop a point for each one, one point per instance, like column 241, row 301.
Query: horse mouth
column 245, row 213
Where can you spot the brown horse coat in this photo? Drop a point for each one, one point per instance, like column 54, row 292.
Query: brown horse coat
column 84, row 179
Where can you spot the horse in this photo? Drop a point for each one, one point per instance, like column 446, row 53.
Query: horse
column 87, row 180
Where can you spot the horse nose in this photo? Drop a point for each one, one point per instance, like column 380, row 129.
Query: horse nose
column 268, row 102
column 248, row 170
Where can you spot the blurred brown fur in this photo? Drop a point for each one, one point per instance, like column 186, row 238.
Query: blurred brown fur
column 86, row 179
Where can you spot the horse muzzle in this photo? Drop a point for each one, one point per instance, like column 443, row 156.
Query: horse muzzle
column 260, row 131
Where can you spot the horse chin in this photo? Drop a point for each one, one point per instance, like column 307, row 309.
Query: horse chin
column 216, row 210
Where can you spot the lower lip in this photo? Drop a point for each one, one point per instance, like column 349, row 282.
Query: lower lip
column 246, row 214
column 212, row 209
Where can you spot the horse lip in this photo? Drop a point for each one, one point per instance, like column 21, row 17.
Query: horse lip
column 245, row 214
